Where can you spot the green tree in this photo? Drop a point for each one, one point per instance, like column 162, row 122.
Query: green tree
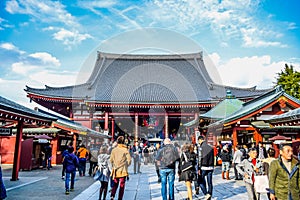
column 289, row 79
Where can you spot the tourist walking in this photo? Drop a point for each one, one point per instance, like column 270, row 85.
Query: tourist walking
column 284, row 175
column 237, row 159
column 120, row 160
column 249, row 168
column 48, row 156
column 93, row 157
column 82, row 154
column 137, row 158
column 157, row 148
column 70, row 163
column 64, row 153
column 166, row 160
column 205, row 167
column 261, row 151
column 104, row 167
column 267, row 163
column 187, row 168
column 226, row 158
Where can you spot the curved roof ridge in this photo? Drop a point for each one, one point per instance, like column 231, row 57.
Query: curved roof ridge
column 240, row 88
column 274, row 91
column 47, row 87
column 151, row 56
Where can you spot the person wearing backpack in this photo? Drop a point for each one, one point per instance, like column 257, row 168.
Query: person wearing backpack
column 187, row 166
column 70, row 163
column 146, row 155
column 166, row 159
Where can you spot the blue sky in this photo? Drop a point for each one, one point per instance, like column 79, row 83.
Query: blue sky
column 48, row 42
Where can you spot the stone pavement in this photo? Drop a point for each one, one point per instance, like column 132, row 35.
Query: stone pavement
column 144, row 186
column 47, row 184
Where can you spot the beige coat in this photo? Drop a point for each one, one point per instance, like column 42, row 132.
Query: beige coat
column 120, row 160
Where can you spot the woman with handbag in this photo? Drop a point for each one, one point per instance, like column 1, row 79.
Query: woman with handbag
column 187, row 167
column 103, row 170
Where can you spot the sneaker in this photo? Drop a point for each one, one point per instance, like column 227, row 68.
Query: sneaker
column 207, row 196
column 71, row 189
column 67, row 192
column 197, row 190
column 63, row 177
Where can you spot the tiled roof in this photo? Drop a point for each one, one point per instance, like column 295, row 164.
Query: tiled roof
column 147, row 78
column 63, row 122
column 292, row 115
column 254, row 105
column 13, row 107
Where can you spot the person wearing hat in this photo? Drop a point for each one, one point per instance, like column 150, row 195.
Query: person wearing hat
column 284, row 175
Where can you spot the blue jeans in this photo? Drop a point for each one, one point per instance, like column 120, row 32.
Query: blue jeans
column 170, row 175
column 67, row 180
column 206, row 176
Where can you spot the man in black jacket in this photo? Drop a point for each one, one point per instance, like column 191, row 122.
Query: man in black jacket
column 205, row 167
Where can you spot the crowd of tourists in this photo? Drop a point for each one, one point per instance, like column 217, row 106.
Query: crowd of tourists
column 193, row 164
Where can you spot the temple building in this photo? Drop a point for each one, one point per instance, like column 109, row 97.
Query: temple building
column 144, row 96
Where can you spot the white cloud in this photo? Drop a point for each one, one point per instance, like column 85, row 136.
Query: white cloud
column 52, row 78
column 70, row 37
column 227, row 19
column 97, row 4
column 51, row 12
column 34, row 63
column 258, row 71
column 10, row 47
column 46, row 58
column 23, row 68
column 48, row 11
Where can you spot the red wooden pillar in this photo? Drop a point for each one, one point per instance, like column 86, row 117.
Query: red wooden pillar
column 257, row 137
column 17, row 154
column 166, row 125
column 74, row 141
column 234, row 138
column 54, row 144
column 136, row 127
column 106, row 121
column 112, row 129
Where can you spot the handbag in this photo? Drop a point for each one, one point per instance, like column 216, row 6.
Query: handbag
column 98, row 175
column 261, row 184
column 186, row 165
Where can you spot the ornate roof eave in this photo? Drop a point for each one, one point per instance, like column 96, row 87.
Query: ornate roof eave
column 38, row 130
column 152, row 104
column 55, row 99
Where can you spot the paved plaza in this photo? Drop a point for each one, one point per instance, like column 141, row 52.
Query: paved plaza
column 47, row 184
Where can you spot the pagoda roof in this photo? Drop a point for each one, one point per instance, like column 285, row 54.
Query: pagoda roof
column 13, row 111
column 223, row 109
column 150, row 79
column 256, row 105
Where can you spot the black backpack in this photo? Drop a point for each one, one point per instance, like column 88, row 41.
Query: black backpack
column 146, row 150
column 169, row 156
